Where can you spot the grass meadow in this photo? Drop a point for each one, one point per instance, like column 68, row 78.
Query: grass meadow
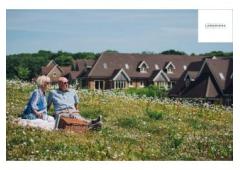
column 134, row 128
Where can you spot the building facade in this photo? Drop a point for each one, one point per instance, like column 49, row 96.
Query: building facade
column 183, row 76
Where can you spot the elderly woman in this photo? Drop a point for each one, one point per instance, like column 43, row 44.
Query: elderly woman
column 36, row 107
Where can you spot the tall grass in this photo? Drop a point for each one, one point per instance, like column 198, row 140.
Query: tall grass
column 135, row 128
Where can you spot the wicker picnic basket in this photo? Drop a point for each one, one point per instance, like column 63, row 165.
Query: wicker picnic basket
column 72, row 124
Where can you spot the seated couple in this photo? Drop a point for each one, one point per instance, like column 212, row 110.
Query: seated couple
column 64, row 100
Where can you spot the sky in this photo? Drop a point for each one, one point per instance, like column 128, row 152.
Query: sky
column 131, row 31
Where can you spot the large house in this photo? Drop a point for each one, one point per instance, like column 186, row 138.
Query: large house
column 184, row 76
column 120, row 70
column 211, row 79
column 74, row 72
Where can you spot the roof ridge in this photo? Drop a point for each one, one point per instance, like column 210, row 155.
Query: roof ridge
column 95, row 64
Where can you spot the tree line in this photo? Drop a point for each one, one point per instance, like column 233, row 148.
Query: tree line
column 26, row 66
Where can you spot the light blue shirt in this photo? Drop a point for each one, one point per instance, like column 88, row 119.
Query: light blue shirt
column 37, row 101
column 63, row 99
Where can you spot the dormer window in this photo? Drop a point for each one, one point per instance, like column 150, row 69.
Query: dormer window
column 169, row 68
column 143, row 67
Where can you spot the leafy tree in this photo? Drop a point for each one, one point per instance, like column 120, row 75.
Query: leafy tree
column 23, row 72
column 109, row 50
column 173, row 52
column 63, row 60
column 84, row 55
column 218, row 54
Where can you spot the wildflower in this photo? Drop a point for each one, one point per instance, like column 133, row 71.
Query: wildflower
column 31, row 140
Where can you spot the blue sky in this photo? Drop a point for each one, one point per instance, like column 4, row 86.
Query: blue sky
column 100, row 30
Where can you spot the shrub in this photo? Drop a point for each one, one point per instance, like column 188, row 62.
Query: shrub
column 155, row 115
column 150, row 91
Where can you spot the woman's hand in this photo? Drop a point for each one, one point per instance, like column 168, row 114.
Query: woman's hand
column 39, row 114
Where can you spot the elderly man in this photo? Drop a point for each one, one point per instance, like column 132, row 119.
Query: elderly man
column 65, row 102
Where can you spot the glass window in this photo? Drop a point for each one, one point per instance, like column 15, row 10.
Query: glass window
column 99, row 84
column 54, row 74
column 143, row 69
column 119, row 84
column 170, row 69
column 142, row 83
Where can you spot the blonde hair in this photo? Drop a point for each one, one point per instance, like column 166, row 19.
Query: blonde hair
column 41, row 80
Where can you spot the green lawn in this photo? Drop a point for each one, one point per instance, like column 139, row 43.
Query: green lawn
column 167, row 130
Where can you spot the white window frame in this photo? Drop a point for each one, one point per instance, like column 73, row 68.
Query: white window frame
column 162, row 84
column 98, row 88
column 142, row 84
column 120, row 84
column 130, row 84
column 170, row 70
column 143, row 69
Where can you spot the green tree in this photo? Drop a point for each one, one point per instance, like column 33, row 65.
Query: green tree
column 173, row 52
column 63, row 60
column 23, row 72
column 218, row 54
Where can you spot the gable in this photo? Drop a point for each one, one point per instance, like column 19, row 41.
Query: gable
column 196, row 89
column 51, row 63
column 161, row 76
column 211, row 90
column 121, row 76
column 55, row 72
column 170, row 65
column 143, row 64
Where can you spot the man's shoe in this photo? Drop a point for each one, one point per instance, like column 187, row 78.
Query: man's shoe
column 96, row 120
column 95, row 126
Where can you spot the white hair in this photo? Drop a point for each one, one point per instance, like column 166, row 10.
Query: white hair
column 41, row 80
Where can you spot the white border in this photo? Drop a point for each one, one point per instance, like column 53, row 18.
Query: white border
column 122, row 4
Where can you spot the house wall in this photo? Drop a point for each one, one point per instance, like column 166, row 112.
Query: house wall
column 137, row 84
column 91, row 84
column 108, row 84
column 55, row 73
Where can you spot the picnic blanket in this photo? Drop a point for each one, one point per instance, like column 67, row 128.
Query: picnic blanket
column 47, row 124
